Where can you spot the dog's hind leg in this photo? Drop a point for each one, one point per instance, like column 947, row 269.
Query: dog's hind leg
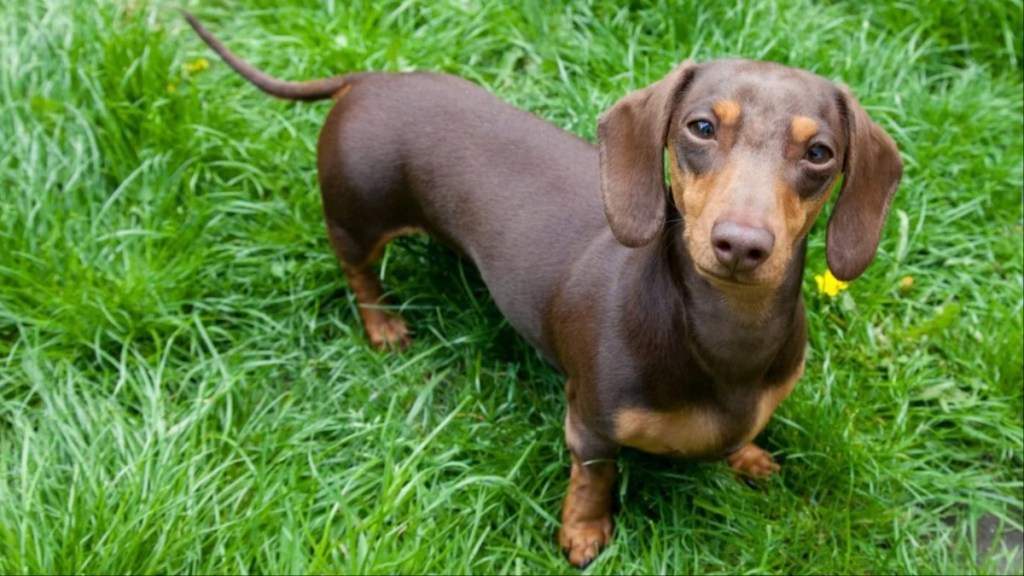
column 386, row 330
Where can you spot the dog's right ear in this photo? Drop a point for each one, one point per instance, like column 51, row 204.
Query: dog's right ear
column 631, row 137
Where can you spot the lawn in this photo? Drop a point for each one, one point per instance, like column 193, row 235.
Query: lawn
column 185, row 386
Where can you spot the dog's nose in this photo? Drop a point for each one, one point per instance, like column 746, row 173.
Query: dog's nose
column 741, row 248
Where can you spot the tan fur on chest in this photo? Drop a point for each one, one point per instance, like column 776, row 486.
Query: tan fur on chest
column 691, row 433
column 697, row 432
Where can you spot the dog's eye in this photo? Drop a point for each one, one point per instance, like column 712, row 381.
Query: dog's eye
column 818, row 154
column 702, row 129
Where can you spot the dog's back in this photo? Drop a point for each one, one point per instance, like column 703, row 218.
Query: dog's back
column 433, row 152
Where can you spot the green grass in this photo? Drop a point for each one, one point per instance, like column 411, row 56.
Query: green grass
column 185, row 387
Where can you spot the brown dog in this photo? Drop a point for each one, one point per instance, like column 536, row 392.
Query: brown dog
column 674, row 312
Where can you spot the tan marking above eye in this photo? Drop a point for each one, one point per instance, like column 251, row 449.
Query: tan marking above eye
column 802, row 128
column 727, row 111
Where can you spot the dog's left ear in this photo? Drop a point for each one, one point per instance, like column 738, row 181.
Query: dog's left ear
column 871, row 171
column 631, row 138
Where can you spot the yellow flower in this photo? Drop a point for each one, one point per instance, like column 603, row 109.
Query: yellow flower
column 906, row 283
column 829, row 284
column 195, row 66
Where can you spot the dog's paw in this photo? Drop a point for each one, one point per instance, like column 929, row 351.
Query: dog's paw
column 582, row 541
column 390, row 333
column 751, row 463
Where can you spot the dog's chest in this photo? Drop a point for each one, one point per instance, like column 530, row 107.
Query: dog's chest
column 702, row 430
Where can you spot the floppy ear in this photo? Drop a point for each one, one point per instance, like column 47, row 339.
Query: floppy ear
column 871, row 171
column 631, row 139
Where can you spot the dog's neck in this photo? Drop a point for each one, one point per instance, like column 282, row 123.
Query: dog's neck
column 734, row 335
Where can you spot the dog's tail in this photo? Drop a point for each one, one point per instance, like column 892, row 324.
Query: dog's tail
column 305, row 91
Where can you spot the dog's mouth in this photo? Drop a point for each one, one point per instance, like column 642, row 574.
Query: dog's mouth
column 731, row 281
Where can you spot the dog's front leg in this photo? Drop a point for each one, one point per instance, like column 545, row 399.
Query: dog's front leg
column 752, row 463
column 587, row 510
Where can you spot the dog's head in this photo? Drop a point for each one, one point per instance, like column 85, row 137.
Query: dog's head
column 754, row 151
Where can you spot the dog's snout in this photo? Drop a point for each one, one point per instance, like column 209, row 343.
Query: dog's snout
column 741, row 248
